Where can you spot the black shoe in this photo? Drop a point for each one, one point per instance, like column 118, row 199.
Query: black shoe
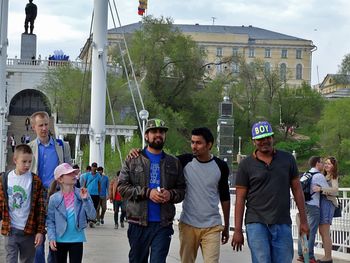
column 102, row 222
column 116, row 226
column 122, row 224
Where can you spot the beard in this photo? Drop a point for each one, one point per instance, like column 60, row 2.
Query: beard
column 157, row 145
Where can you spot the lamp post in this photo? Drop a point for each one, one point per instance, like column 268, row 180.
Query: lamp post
column 143, row 114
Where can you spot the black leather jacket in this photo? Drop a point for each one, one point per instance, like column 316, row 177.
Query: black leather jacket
column 133, row 187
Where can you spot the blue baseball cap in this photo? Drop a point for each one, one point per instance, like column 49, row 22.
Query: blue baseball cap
column 261, row 130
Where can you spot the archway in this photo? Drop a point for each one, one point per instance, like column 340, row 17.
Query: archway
column 27, row 102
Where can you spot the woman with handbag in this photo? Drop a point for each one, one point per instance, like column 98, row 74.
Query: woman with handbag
column 328, row 204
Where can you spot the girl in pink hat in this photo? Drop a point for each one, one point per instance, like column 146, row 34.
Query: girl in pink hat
column 68, row 211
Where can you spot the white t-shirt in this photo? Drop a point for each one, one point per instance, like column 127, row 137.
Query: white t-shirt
column 19, row 196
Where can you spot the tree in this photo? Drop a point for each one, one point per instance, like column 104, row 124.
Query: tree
column 334, row 129
column 299, row 106
column 171, row 61
column 344, row 67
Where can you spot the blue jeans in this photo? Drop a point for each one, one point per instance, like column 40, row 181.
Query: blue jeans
column 40, row 254
column 270, row 243
column 154, row 238
column 313, row 219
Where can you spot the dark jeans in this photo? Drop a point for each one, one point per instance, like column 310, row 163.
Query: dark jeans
column 96, row 201
column 116, row 206
column 154, row 238
column 40, row 254
column 75, row 251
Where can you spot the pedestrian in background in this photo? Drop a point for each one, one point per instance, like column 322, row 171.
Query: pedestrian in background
column 116, row 199
column 328, row 204
column 102, row 206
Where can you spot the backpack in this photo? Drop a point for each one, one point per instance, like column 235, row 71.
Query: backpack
column 305, row 181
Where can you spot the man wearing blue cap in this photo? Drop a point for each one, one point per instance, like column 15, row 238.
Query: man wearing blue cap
column 263, row 184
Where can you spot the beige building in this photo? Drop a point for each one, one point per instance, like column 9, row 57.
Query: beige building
column 335, row 86
column 291, row 55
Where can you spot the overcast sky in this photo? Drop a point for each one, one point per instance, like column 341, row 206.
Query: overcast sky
column 65, row 24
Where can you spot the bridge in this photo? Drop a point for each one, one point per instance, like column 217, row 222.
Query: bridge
column 108, row 245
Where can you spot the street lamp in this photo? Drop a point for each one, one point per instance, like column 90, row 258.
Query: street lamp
column 143, row 114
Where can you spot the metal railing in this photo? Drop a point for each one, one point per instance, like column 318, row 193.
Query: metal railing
column 340, row 228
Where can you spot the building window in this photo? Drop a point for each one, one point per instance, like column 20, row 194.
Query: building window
column 251, row 52
column 267, row 53
column 218, row 67
column 284, row 53
column 267, row 68
column 235, row 67
column 235, row 52
column 299, row 71
column 298, row 53
column 219, row 51
column 283, row 72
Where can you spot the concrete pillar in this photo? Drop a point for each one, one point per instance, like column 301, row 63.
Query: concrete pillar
column 113, row 140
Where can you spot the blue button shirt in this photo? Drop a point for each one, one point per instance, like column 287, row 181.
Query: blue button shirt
column 47, row 161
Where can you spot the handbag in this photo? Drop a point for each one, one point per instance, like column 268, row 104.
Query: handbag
column 337, row 211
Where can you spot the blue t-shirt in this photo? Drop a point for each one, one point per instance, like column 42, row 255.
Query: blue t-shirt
column 104, row 186
column 154, row 182
column 92, row 182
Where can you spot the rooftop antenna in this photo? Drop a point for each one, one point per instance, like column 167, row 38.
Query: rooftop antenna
column 213, row 18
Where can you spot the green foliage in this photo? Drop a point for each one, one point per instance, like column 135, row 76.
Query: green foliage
column 112, row 159
column 344, row 68
column 303, row 149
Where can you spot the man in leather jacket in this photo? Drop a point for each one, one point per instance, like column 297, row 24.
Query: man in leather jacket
column 151, row 183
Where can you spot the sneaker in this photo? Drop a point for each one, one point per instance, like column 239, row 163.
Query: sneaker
column 102, row 222
column 122, row 224
column 91, row 224
column 97, row 223
column 116, row 226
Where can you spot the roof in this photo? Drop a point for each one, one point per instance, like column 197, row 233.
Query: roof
column 340, row 78
column 253, row 32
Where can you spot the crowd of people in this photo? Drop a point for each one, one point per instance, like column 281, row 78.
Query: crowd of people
column 46, row 197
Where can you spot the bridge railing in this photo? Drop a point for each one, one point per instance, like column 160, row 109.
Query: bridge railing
column 340, row 228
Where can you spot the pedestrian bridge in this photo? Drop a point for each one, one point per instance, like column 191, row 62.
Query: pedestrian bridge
column 106, row 244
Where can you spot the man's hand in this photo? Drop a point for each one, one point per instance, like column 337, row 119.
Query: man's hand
column 53, row 245
column 133, row 153
column 38, row 239
column 225, row 235
column 156, row 196
column 237, row 240
column 316, row 188
column 304, row 229
column 165, row 195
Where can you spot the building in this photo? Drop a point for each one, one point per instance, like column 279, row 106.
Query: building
column 335, row 86
column 291, row 55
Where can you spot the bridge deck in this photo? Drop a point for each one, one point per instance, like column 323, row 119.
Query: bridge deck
column 106, row 245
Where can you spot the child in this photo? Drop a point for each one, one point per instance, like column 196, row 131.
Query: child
column 22, row 208
column 67, row 215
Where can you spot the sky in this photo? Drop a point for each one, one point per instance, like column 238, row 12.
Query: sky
column 65, row 24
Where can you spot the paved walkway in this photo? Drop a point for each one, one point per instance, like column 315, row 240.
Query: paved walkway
column 107, row 245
